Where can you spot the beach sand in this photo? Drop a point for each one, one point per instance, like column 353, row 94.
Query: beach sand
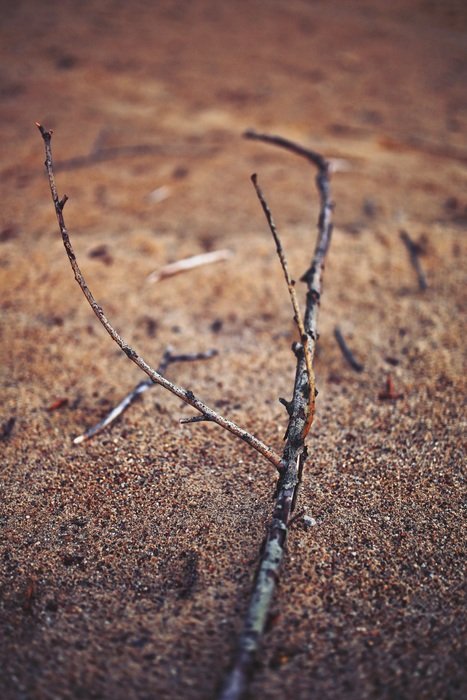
column 127, row 561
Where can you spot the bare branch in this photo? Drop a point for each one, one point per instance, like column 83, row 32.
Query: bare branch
column 167, row 359
column 293, row 296
column 184, row 394
column 313, row 275
column 295, row 451
column 296, row 148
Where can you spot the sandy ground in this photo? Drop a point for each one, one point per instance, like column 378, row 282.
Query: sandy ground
column 126, row 562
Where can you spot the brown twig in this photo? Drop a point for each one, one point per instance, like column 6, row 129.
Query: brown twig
column 184, row 394
column 295, row 451
column 389, row 393
column 414, row 256
column 346, row 351
column 168, row 359
column 57, row 403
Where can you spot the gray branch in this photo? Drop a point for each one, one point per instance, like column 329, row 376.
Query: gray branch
column 295, row 451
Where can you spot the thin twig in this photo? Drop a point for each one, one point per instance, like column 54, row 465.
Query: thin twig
column 194, row 419
column 167, row 359
column 295, row 451
column 189, row 264
column 293, row 295
column 184, row 394
column 115, row 412
column 312, row 277
column 347, row 352
column 414, row 256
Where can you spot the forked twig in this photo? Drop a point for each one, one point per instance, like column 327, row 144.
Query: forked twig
column 295, row 451
column 184, row 394
column 168, row 359
column 293, row 297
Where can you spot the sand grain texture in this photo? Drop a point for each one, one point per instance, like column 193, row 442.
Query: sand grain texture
column 126, row 563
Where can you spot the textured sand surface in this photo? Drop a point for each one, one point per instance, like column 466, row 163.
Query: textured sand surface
column 127, row 562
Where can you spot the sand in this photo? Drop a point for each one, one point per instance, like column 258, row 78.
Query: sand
column 127, row 561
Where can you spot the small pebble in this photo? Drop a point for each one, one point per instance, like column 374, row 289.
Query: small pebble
column 308, row 521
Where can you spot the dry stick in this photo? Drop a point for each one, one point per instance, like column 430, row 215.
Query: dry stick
column 184, row 394
column 168, row 359
column 414, row 253
column 295, row 451
column 346, row 351
column 190, row 263
column 293, row 297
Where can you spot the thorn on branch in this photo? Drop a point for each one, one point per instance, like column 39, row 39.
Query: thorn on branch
column 288, row 405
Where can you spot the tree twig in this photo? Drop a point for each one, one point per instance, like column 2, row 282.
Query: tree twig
column 346, row 351
column 168, row 359
column 295, row 451
column 414, row 256
column 184, row 394
column 293, row 297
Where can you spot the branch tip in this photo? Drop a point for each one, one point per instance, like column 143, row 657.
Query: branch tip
column 46, row 134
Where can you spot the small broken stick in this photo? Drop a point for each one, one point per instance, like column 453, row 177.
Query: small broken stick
column 347, row 353
column 414, row 250
column 188, row 264
column 168, row 358
column 389, row 393
column 29, row 594
column 57, row 403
